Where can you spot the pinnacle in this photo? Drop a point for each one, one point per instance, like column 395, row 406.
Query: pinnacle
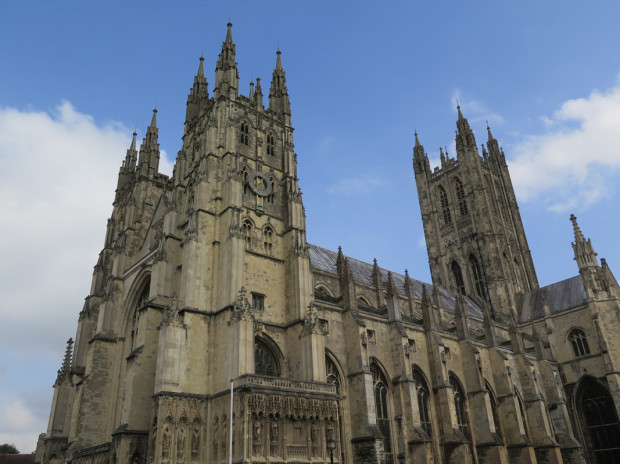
column 229, row 33
column 578, row 234
column 489, row 132
column 154, row 120
column 201, row 69
column 417, row 142
column 278, row 60
column 458, row 108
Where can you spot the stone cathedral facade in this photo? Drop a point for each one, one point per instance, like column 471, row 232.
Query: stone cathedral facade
column 206, row 277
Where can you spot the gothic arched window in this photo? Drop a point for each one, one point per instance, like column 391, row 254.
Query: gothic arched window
column 271, row 145
column 140, row 302
column 597, row 410
column 268, row 240
column 458, row 277
column 333, row 375
column 380, row 384
column 459, row 405
column 460, row 196
column 247, row 232
column 445, row 209
column 494, row 411
column 265, row 362
column 244, row 133
column 477, row 275
column 245, row 181
column 272, row 195
column 580, row 342
column 423, row 394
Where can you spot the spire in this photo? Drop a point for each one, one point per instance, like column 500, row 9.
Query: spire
column 464, row 135
column 226, row 74
column 492, row 144
column 339, row 261
column 420, row 160
column 258, row 94
column 584, row 252
column 198, row 94
column 148, row 163
column 130, row 158
column 427, row 310
column 65, row 370
column 278, row 93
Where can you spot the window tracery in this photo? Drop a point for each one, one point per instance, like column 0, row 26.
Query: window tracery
column 460, row 196
column 445, row 209
column 244, row 133
column 478, row 278
column 268, row 240
column 265, row 362
column 458, row 277
column 579, row 341
column 380, row 384
column 247, row 232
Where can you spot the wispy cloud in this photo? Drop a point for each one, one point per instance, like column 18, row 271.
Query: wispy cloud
column 474, row 110
column 363, row 184
column 570, row 167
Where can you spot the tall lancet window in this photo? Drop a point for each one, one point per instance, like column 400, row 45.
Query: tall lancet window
column 445, row 209
column 423, row 394
column 381, row 404
column 244, row 133
column 477, row 275
column 458, row 277
column 460, row 196
column 459, row 405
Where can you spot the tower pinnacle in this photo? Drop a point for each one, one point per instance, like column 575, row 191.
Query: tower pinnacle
column 226, row 74
column 584, row 252
column 278, row 93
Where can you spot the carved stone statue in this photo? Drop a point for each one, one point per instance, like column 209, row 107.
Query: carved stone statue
column 181, row 443
column 195, row 442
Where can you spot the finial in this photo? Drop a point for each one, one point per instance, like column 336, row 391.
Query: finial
column 229, row 32
column 417, row 142
column 578, row 233
column 154, row 120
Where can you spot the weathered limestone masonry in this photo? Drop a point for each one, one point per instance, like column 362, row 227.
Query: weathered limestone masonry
column 206, row 278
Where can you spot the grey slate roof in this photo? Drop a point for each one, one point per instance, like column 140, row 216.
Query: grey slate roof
column 560, row 296
column 325, row 260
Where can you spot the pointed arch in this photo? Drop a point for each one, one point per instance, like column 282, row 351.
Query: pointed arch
column 382, row 407
column 244, row 133
column 579, row 341
column 268, row 236
column 423, row 394
column 333, row 372
column 494, row 410
column 460, row 404
column 460, row 196
column 247, row 229
column 459, row 283
column 267, row 357
column 445, row 208
column 478, row 278
column 599, row 420
column 522, row 414
column 271, row 144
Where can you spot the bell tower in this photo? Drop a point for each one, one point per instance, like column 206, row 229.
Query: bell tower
column 474, row 235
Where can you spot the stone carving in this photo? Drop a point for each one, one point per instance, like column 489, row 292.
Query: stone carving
column 312, row 323
column 314, row 438
column 274, row 439
column 241, row 310
column 195, row 444
column 364, row 338
column 257, row 444
column 181, row 443
column 235, row 229
column 172, row 317
column 165, row 443
column 292, row 406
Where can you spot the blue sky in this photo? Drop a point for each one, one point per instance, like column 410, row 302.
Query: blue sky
column 78, row 77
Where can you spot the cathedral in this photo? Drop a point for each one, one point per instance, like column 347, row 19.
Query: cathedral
column 215, row 333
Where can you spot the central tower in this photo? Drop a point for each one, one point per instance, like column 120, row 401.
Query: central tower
column 474, row 235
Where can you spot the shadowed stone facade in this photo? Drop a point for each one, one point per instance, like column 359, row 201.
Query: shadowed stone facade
column 206, row 277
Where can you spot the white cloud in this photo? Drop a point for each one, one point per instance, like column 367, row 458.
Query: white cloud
column 361, row 185
column 58, row 174
column 570, row 166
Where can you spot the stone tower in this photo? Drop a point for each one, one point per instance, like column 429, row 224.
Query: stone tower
column 474, row 235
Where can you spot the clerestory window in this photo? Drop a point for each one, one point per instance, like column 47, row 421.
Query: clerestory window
column 580, row 342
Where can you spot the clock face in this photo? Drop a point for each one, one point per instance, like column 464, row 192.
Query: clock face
column 260, row 183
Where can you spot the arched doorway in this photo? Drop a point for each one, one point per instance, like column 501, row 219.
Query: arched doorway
column 599, row 422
